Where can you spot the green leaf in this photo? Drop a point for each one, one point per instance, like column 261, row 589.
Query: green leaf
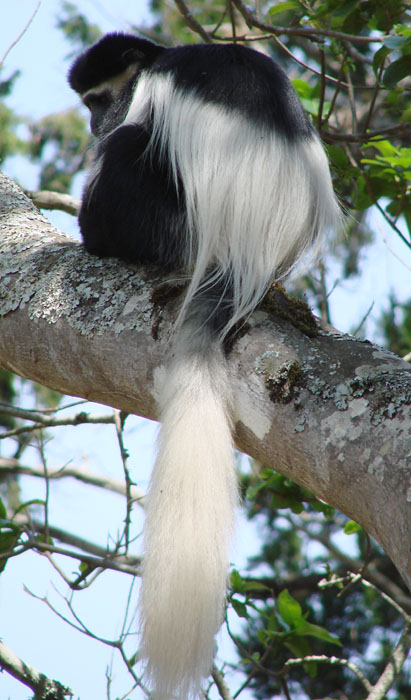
column 27, row 504
column 284, row 7
column 338, row 156
column 379, row 57
column 7, row 540
column 237, row 582
column 302, row 88
column 352, row 527
column 344, row 8
column 397, row 71
column 240, row 608
column 254, row 490
column 289, row 609
column 386, row 148
column 3, row 512
column 297, row 507
column 299, row 646
column 6, row 524
column 309, row 630
column 406, row 115
column 396, row 42
column 291, row 612
column 402, row 29
column 311, row 668
column 254, row 586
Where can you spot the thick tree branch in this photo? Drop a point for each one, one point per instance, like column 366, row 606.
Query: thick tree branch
column 329, row 411
column 45, row 199
column 42, row 686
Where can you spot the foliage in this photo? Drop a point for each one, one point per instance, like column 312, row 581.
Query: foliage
column 9, row 141
column 58, row 142
column 305, row 601
column 76, row 28
column 396, row 326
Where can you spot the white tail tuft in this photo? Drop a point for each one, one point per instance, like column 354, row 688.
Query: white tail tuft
column 189, row 521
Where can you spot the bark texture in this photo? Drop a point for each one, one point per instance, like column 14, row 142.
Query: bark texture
column 331, row 412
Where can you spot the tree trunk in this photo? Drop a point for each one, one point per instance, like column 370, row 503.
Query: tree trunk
column 329, row 411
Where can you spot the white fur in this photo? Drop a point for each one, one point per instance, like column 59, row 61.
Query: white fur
column 189, row 522
column 257, row 204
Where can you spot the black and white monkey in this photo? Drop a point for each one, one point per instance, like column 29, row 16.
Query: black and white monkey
column 206, row 163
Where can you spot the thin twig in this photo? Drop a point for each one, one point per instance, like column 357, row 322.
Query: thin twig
column 322, row 90
column 23, row 31
column 305, row 65
column 402, row 130
column 364, row 318
column 13, row 466
column 110, row 561
column 339, row 83
column 374, row 97
column 232, row 19
column 192, row 22
column 351, row 98
column 42, row 422
column 47, row 486
column 331, row 661
column 119, row 419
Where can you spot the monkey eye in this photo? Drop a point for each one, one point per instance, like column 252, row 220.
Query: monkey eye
column 97, row 101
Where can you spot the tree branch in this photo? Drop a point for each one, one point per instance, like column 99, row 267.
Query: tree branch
column 327, row 410
column 192, row 22
column 13, row 466
column 42, row 686
column 45, row 199
column 393, row 667
column 312, row 33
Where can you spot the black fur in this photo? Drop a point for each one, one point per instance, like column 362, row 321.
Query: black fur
column 108, row 58
column 138, row 191
column 240, row 80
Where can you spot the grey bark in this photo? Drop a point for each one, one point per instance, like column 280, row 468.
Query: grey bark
column 331, row 412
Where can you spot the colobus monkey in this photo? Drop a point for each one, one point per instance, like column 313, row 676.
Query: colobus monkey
column 205, row 163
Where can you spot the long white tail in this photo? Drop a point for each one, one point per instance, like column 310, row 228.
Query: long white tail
column 189, row 520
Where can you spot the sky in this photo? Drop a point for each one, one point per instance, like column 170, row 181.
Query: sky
column 26, row 625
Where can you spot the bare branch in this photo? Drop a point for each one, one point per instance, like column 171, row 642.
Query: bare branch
column 44, row 422
column 393, row 667
column 222, row 686
column 23, row 31
column 331, row 661
column 192, row 22
column 119, row 423
column 46, row 199
column 13, row 466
